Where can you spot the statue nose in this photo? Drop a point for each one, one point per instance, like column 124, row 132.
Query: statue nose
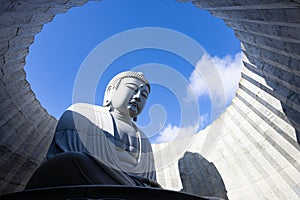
column 137, row 96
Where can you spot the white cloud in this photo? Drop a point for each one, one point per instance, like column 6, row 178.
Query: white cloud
column 204, row 79
column 171, row 133
column 174, row 132
column 230, row 71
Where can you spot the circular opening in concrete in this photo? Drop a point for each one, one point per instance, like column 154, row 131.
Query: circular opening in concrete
column 61, row 47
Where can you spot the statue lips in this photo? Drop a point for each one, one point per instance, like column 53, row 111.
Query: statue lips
column 133, row 107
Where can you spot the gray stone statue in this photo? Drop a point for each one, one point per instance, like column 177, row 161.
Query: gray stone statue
column 102, row 145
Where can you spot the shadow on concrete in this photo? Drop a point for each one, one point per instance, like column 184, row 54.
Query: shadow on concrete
column 285, row 95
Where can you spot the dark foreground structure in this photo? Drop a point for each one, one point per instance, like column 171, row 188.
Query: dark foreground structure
column 99, row 192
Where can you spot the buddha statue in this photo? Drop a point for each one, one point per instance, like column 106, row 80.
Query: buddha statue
column 102, row 144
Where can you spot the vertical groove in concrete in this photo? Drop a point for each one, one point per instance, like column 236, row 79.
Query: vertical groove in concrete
column 257, row 153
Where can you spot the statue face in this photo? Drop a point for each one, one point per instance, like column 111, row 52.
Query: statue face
column 130, row 97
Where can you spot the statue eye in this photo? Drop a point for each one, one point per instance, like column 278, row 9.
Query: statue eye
column 132, row 87
column 145, row 94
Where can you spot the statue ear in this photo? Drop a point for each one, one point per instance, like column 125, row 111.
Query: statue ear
column 108, row 95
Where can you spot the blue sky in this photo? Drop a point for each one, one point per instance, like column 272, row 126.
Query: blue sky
column 61, row 47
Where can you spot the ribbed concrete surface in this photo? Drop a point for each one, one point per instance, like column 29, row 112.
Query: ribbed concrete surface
column 256, row 153
column 25, row 126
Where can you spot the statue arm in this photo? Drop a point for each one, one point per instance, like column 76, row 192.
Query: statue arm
column 66, row 136
column 79, row 120
column 147, row 150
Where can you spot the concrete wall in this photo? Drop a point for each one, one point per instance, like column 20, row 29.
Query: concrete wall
column 256, row 151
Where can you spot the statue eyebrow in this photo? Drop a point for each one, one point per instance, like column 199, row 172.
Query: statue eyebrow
column 137, row 87
column 132, row 84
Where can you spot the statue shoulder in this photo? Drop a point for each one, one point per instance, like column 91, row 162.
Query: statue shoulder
column 86, row 107
column 83, row 115
column 143, row 135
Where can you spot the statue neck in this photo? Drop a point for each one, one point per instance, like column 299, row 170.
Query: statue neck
column 120, row 116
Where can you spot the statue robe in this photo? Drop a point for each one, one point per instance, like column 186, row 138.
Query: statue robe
column 91, row 130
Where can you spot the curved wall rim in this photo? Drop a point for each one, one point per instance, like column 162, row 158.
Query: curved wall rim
column 261, row 132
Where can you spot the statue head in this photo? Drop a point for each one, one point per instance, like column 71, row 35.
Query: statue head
column 127, row 92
